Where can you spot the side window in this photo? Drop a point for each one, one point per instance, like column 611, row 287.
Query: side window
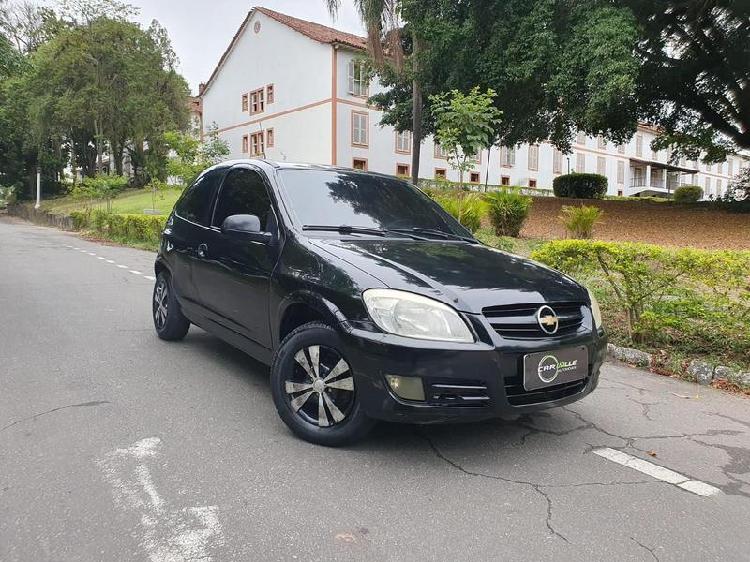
column 195, row 204
column 244, row 193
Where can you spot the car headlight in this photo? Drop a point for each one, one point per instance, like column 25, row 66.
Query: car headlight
column 415, row 316
column 596, row 311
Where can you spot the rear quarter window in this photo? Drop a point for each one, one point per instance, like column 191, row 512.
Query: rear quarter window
column 195, row 204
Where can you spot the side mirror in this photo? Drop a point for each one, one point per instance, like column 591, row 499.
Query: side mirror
column 245, row 227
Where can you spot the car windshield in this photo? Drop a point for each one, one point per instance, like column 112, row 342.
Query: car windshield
column 339, row 198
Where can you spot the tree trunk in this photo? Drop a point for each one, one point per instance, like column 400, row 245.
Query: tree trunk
column 98, row 139
column 416, row 116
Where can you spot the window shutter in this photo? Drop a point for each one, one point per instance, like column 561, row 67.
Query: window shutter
column 351, row 77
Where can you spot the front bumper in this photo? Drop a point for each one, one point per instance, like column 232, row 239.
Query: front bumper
column 489, row 373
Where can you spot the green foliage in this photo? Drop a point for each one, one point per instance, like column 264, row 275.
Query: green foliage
column 192, row 155
column 464, row 125
column 466, row 208
column 696, row 301
column 579, row 221
column 131, row 229
column 100, row 188
column 737, row 197
column 507, row 211
column 688, row 194
column 580, row 186
column 7, row 196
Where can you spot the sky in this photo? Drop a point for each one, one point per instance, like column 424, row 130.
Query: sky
column 201, row 30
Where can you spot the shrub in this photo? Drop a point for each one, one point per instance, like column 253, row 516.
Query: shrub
column 7, row 196
column 688, row 194
column 507, row 211
column 579, row 221
column 737, row 197
column 139, row 229
column 580, row 186
column 694, row 301
column 466, row 208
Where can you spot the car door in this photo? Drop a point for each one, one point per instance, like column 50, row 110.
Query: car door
column 233, row 274
column 190, row 219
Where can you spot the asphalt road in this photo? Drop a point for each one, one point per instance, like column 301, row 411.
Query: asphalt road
column 115, row 445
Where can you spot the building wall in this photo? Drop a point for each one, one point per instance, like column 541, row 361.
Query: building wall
column 305, row 112
column 300, row 71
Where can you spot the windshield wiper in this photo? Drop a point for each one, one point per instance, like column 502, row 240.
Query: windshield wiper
column 435, row 232
column 346, row 229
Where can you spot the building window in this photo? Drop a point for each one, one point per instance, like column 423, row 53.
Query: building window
column 269, row 93
column 245, row 144
column 620, row 149
column 654, row 154
column 359, row 128
column 359, row 83
column 581, row 138
column 708, row 186
column 580, row 163
column 505, row 180
column 402, row 170
column 619, row 192
column 244, row 103
column 474, row 177
column 730, row 167
column 601, row 144
column 639, row 145
column 257, row 102
column 440, row 152
column 256, row 144
column 270, row 138
column 601, row 165
column 440, row 173
column 721, row 168
column 557, row 157
column 403, row 142
column 533, row 157
column 718, row 188
column 532, row 183
column 359, row 164
column 621, row 172
column 507, row 156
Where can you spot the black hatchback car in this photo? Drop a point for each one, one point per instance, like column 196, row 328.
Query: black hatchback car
column 369, row 301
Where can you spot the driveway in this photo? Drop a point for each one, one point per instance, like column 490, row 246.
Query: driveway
column 118, row 446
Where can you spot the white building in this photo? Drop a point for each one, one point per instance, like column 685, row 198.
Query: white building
column 292, row 90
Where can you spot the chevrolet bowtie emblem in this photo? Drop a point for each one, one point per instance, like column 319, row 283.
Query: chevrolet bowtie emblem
column 547, row 319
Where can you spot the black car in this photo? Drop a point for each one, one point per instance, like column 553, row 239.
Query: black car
column 369, row 301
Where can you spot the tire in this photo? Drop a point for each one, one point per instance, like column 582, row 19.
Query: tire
column 170, row 323
column 319, row 405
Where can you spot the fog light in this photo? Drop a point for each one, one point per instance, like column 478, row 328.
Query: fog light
column 408, row 388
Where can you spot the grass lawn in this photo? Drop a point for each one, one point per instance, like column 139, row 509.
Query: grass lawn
column 132, row 202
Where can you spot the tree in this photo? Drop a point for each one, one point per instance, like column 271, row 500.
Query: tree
column 381, row 18
column 556, row 66
column 694, row 81
column 105, row 84
column 191, row 156
column 465, row 124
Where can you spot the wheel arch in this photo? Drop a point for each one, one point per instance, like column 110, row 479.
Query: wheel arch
column 301, row 307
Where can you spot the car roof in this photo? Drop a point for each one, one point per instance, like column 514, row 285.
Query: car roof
column 301, row 166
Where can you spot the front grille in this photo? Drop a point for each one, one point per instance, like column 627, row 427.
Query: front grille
column 453, row 392
column 518, row 396
column 518, row 321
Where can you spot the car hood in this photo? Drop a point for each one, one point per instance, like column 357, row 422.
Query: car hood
column 469, row 276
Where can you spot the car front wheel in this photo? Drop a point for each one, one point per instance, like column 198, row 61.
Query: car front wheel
column 314, row 388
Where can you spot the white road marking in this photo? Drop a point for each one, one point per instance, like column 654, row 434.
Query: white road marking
column 91, row 253
column 167, row 535
column 99, row 258
column 149, row 278
column 110, row 261
column 134, row 272
column 659, row 472
column 122, row 266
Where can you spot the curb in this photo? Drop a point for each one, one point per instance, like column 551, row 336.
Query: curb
column 697, row 371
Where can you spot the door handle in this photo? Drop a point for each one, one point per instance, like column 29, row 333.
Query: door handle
column 202, row 251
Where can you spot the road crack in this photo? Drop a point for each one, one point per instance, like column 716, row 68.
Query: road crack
column 643, row 546
column 39, row 415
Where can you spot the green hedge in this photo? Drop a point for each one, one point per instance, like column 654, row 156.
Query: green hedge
column 580, row 186
column 139, row 229
column 690, row 301
column 508, row 211
column 688, row 194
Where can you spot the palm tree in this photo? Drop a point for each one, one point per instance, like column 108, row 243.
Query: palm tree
column 380, row 18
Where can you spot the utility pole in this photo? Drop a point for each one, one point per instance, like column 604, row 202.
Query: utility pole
column 38, row 187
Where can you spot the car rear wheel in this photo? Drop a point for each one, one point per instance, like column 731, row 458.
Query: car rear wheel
column 314, row 389
column 169, row 321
